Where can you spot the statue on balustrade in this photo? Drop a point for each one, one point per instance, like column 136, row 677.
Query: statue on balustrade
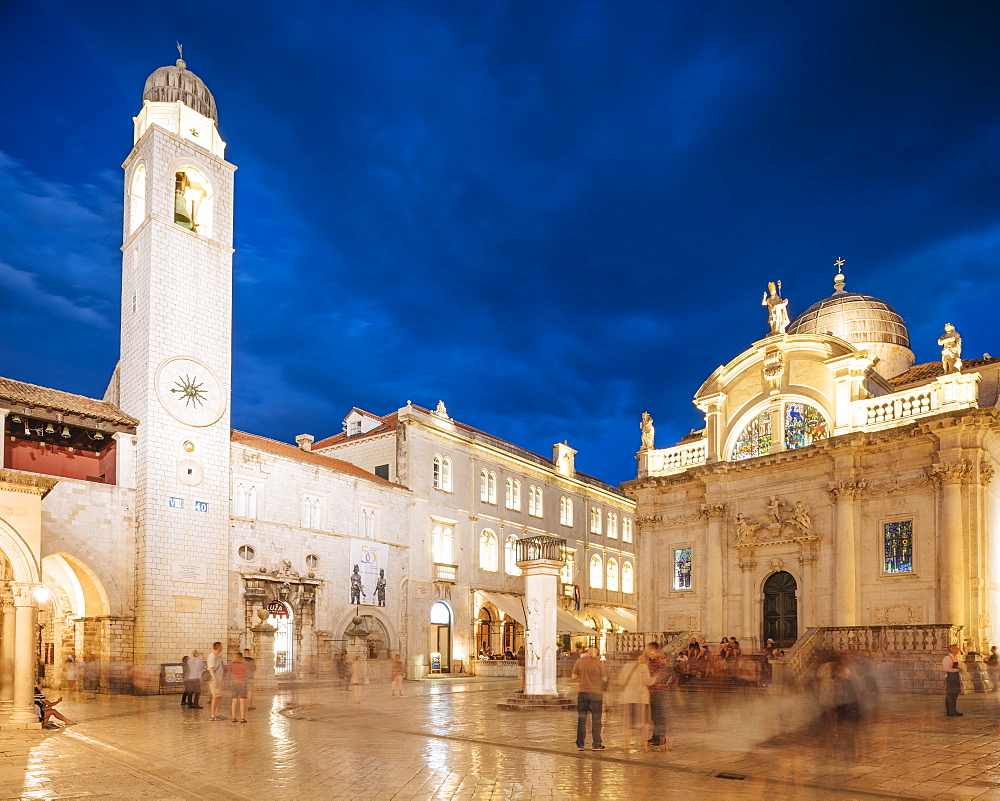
column 777, row 308
column 646, row 426
column 951, row 349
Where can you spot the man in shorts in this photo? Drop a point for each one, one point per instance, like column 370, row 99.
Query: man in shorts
column 215, row 668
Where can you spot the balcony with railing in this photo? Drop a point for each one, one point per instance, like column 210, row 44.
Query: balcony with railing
column 943, row 394
column 677, row 459
column 443, row 572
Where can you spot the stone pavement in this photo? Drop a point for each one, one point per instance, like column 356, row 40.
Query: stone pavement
column 446, row 740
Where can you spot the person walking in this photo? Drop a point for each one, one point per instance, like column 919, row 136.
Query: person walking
column 659, row 672
column 186, row 695
column 251, row 664
column 192, row 679
column 238, row 687
column 634, row 679
column 398, row 671
column 993, row 667
column 952, row 682
column 71, row 675
column 592, row 674
column 215, row 671
column 358, row 677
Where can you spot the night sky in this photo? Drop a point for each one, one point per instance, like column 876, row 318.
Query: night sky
column 552, row 215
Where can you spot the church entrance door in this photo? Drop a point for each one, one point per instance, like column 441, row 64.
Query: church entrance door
column 781, row 619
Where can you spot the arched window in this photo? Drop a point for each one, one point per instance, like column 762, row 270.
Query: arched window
column 252, row 503
column 316, row 517
column 442, row 544
column 612, row 572
column 508, row 493
column 626, row 531
column 535, row 501
column 612, row 525
column 517, row 496
column 442, row 473
column 510, row 556
column 137, row 198
column 440, row 614
column 193, row 201
column 566, row 511
column 240, row 501
column 569, row 563
column 484, row 490
column 628, row 578
column 804, row 424
column 596, row 572
column 491, row 488
column 595, row 520
column 488, row 551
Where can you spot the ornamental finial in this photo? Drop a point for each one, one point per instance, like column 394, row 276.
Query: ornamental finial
column 839, row 280
column 180, row 50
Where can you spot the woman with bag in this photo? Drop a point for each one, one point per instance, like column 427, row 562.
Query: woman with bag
column 635, row 680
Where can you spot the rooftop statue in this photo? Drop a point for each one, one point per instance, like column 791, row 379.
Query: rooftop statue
column 951, row 349
column 777, row 308
column 646, row 426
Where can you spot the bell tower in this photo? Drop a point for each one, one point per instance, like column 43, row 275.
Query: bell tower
column 175, row 369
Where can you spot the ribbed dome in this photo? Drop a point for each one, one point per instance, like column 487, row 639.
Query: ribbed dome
column 170, row 84
column 856, row 318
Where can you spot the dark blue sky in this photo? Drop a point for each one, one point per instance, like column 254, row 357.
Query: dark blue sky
column 552, row 215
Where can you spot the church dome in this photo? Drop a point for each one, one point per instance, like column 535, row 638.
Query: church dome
column 177, row 83
column 863, row 320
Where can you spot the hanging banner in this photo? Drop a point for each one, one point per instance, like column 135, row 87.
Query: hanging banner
column 369, row 572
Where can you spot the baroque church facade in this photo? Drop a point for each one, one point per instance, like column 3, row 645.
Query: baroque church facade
column 138, row 527
column 835, row 484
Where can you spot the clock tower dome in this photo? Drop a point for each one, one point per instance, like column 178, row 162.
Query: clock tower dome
column 175, row 369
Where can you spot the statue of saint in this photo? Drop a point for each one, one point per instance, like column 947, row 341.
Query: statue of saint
column 800, row 517
column 380, row 588
column 777, row 308
column 951, row 349
column 774, row 508
column 357, row 590
column 646, row 426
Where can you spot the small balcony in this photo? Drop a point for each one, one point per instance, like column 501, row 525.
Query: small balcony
column 448, row 573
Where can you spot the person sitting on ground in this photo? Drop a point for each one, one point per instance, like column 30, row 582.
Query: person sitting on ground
column 47, row 709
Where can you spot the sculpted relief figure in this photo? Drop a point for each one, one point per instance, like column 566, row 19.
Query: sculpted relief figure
column 745, row 528
column 951, row 349
column 800, row 517
column 646, row 426
column 774, row 506
column 777, row 308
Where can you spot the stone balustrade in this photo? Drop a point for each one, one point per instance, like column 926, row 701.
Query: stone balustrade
column 952, row 391
column 666, row 461
column 628, row 643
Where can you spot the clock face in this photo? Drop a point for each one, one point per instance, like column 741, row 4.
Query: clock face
column 190, row 391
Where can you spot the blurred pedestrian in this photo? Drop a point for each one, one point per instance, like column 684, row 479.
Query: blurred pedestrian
column 398, row 672
column 592, row 674
column 952, row 682
column 251, row 664
column 91, row 677
column 192, row 679
column 71, row 675
column 520, row 667
column 634, row 680
column 993, row 667
column 660, row 675
column 186, row 695
column 215, row 671
column 238, row 687
column 359, row 677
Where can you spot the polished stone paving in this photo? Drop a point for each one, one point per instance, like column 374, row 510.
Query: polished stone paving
column 446, row 740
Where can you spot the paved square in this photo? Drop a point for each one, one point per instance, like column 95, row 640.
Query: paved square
column 446, row 740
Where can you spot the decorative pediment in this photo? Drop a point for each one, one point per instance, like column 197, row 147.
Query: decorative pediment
column 784, row 523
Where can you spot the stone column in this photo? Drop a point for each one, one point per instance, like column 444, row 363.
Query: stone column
column 845, row 579
column 748, row 567
column 541, row 593
column 262, row 650
column 7, row 636
column 713, row 580
column 953, row 573
column 25, row 609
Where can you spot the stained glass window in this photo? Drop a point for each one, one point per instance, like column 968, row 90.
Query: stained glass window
column 898, row 541
column 755, row 439
column 682, row 569
column 803, row 425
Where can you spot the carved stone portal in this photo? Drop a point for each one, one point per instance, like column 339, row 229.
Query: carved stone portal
column 785, row 523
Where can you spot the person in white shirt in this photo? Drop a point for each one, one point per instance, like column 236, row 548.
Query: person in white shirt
column 952, row 682
column 215, row 666
column 194, row 667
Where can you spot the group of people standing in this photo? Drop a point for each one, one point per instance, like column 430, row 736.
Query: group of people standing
column 237, row 677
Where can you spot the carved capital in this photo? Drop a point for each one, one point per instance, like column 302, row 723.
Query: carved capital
column 846, row 490
column 748, row 565
column 716, row 510
column 24, row 593
column 986, row 472
column 808, row 556
column 950, row 472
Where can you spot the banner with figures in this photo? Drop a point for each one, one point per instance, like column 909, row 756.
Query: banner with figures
column 369, row 572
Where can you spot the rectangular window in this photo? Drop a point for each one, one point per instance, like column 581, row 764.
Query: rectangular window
column 897, row 539
column 176, row 503
column 566, row 572
column 682, row 568
column 382, row 471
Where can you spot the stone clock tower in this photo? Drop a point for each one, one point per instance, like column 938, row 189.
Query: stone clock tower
column 175, row 369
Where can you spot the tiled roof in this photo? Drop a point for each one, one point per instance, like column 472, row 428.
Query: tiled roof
column 32, row 395
column 931, row 370
column 294, row 452
column 391, row 422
